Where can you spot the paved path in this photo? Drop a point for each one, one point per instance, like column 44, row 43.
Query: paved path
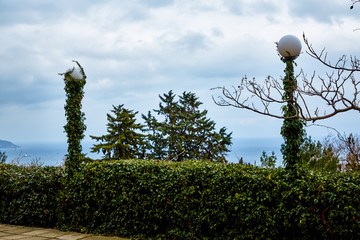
column 13, row 232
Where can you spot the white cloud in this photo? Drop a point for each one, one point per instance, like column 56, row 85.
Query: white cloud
column 132, row 51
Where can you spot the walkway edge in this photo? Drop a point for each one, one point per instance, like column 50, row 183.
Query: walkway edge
column 15, row 232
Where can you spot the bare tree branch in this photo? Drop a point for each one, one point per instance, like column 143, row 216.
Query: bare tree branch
column 262, row 93
column 339, row 65
column 332, row 90
column 338, row 90
column 348, row 149
column 354, row 2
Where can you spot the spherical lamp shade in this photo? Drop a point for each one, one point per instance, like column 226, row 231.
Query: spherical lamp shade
column 289, row 46
column 75, row 73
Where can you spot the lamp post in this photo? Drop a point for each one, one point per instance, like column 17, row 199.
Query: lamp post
column 75, row 80
column 289, row 48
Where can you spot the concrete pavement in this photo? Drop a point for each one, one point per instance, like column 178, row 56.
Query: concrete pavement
column 14, row 232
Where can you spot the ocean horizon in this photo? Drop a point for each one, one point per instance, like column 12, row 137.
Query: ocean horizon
column 53, row 153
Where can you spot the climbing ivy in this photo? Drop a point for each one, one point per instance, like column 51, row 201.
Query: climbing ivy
column 183, row 200
column 75, row 80
column 293, row 128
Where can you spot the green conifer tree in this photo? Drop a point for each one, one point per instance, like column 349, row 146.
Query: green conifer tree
column 316, row 156
column 3, row 157
column 123, row 141
column 185, row 132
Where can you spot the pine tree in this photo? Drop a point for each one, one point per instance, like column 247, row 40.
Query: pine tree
column 185, row 132
column 317, row 156
column 156, row 144
column 123, row 140
column 3, row 157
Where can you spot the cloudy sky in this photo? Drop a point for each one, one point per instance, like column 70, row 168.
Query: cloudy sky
column 132, row 51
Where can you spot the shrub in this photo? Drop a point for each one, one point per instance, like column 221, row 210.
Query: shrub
column 208, row 200
column 194, row 199
column 28, row 195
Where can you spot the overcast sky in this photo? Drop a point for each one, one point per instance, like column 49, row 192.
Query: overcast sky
column 132, row 51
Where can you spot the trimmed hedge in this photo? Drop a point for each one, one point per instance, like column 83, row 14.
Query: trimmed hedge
column 192, row 199
column 28, row 195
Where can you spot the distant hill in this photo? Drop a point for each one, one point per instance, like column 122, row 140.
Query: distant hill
column 7, row 144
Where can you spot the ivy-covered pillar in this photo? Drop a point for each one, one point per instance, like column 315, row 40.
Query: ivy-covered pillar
column 292, row 130
column 75, row 80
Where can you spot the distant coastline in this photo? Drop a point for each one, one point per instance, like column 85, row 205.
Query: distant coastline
column 52, row 153
column 7, row 144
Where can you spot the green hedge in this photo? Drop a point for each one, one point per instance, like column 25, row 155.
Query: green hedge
column 28, row 195
column 185, row 200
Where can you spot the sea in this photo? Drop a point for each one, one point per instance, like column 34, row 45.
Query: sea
column 53, row 153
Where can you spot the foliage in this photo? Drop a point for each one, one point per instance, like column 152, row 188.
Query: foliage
column 3, row 157
column 123, row 140
column 185, row 132
column 195, row 199
column 293, row 128
column 353, row 155
column 347, row 149
column 268, row 161
column 28, row 195
column 75, row 126
column 184, row 200
column 316, row 156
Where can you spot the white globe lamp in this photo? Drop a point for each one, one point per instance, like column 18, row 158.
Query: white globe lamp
column 289, row 47
column 75, row 72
